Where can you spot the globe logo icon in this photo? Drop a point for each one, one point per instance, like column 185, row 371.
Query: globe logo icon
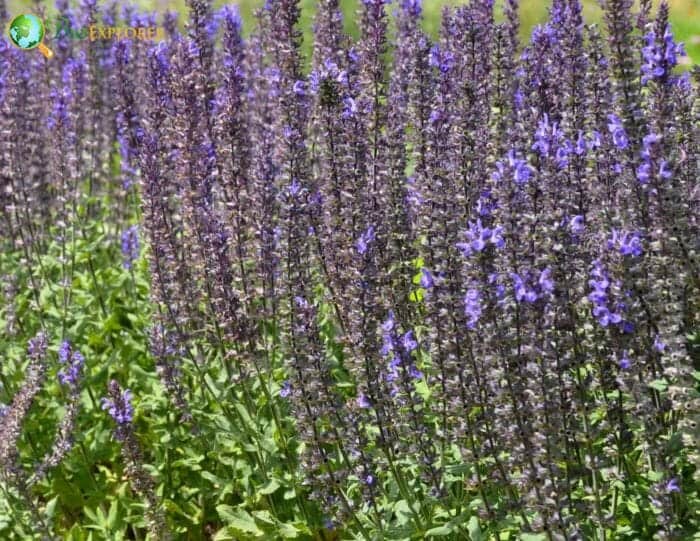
column 27, row 32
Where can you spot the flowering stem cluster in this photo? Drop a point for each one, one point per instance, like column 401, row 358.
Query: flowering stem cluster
column 431, row 285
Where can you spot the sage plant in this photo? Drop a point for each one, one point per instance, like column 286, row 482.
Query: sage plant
column 431, row 284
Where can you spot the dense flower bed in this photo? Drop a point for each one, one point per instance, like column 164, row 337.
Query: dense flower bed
column 409, row 288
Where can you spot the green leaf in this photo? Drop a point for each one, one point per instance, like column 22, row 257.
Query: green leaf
column 225, row 534
column 632, row 506
column 659, row 384
column 288, row 531
column 113, row 514
column 51, row 507
column 417, row 295
column 474, row 529
column 439, row 531
column 268, row 488
column 238, row 519
column 264, row 516
column 533, row 537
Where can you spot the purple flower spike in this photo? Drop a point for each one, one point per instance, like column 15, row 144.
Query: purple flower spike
column 130, row 246
column 412, row 7
column 660, row 55
column 73, row 362
column 64, row 352
column 118, row 405
column 473, row 307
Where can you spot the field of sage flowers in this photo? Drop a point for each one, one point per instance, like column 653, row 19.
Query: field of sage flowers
column 409, row 288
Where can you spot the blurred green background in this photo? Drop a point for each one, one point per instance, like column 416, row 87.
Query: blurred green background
column 685, row 15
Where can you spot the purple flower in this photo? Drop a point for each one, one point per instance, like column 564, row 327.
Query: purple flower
column 349, row 107
column 544, row 135
column 130, row 246
column 299, row 88
column 36, row 348
column 596, row 140
column 672, row 486
column 545, row 281
column 363, row 401
column 497, row 237
column 73, row 362
column 412, row 7
column 581, row 147
column 644, row 172
column 408, row 342
column 648, row 141
column 64, row 352
column 485, row 205
column 499, row 289
column 119, row 405
column 388, row 334
column 514, row 167
column 414, row 199
column 665, row 171
column 478, row 236
column 548, row 136
column 389, row 322
column 286, row 389
column 628, row 243
column 660, row 55
column 426, row 279
column 659, row 345
column 601, row 299
column 563, row 152
column 365, row 240
column 576, row 225
column 624, row 362
column 414, row 373
column 618, row 132
column 443, row 60
column 294, row 189
column 473, row 307
column 522, row 291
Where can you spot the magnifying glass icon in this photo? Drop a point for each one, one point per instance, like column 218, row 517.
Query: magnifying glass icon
column 27, row 32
